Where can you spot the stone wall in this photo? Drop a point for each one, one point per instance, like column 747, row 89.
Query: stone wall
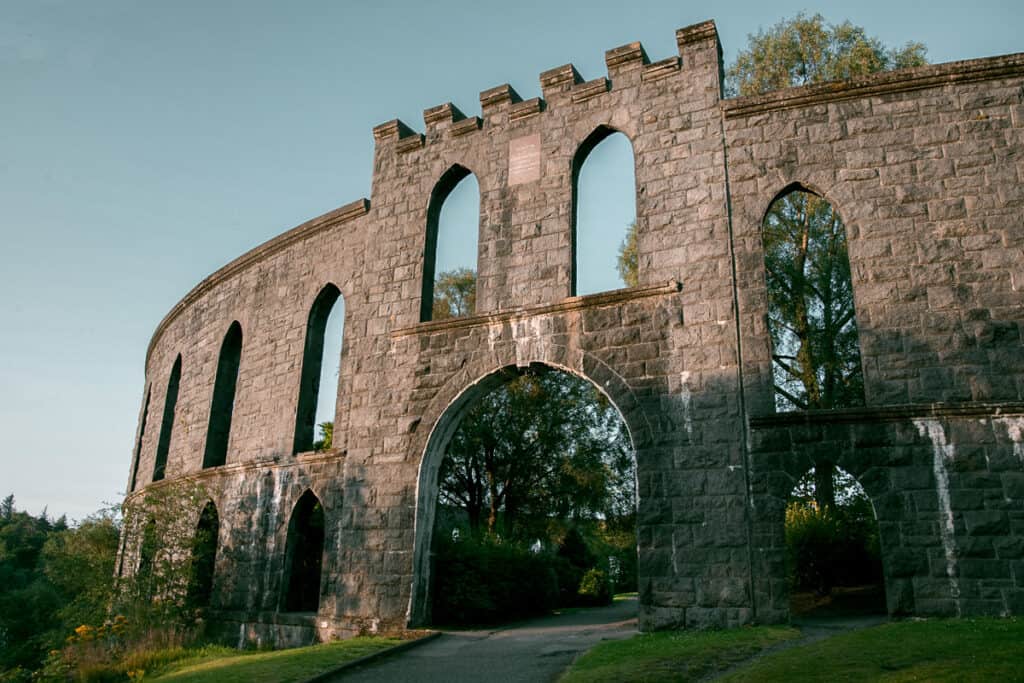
column 925, row 166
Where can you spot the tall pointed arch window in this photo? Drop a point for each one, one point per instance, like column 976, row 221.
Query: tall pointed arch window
column 223, row 403
column 450, row 248
column 811, row 318
column 138, row 443
column 604, row 246
column 318, row 385
column 167, row 423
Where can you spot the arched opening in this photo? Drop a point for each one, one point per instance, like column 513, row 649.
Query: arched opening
column 138, row 444
column 450, row 249
column 223, row 403
column 204, row 558
column 833, row 551
column 318, row 389
column 812, row 323
column 167, row 423
column 604, row 238
column 526, row 501
column 148, row 546
column 304, row 553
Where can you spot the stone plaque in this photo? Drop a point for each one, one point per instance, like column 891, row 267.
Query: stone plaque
column 524, row 160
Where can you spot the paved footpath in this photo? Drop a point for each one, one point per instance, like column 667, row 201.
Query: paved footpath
column 531, row 651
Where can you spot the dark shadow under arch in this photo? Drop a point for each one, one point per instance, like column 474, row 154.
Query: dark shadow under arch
column 596, row 137
column 167, row 422
column 312, row 364
column 452, row 177
column 437, row 443
column 223, row 403
column 204, row 557
column 304, row 553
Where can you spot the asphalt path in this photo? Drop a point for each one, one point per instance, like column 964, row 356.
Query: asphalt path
column 531, row 651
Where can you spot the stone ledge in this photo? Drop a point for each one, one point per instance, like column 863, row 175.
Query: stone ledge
column 885, row 83
column 307, row 458
column 573, row 303
column 344, row 214
column 891, row 413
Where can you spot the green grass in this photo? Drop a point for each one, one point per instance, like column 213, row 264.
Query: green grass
column 280, row 666
column 934, row 650
column 675, row 655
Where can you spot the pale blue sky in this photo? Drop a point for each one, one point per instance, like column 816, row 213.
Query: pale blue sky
column 143, row 145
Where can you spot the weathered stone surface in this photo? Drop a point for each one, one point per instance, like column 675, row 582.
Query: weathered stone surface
column 925, row 179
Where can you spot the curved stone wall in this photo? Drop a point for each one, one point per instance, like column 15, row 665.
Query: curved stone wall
column 925, row 166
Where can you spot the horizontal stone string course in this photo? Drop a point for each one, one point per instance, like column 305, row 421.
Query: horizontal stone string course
column 924, row 166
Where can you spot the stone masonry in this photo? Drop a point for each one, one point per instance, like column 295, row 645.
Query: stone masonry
column 926, row 167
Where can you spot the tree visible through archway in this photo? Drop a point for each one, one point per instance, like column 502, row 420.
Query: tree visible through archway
column 833, row 552
column 536, row 502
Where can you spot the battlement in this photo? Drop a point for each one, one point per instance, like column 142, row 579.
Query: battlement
column 560, row 86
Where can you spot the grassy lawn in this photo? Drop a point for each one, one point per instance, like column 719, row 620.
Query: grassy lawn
column 933, row 650
column 281, row 666
column 674, row 655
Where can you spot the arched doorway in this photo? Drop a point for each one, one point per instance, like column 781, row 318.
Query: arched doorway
column 204, row 557
column 528, row 478
column 833, row 549
column 304, row 554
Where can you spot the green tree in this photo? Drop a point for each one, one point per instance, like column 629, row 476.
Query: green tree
column 811, row 321
column 628, row 263
column 805, row 50
column 454, row 294
column 543, row 445
column 326, row 440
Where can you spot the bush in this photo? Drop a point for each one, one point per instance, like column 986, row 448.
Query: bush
column 831, row 547
column 486, row 581
column 595, row 588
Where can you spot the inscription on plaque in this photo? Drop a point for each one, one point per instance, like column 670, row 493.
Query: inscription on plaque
column 524, row 160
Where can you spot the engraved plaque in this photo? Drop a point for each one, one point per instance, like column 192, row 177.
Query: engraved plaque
column 524, row 160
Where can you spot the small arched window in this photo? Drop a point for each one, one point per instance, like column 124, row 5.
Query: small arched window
column 223, row 403
column 811, row 318
column 450, row 249
column 318, row 388
column 604, row 240
column 304, row 553
column 138, row 442
column 167, row 423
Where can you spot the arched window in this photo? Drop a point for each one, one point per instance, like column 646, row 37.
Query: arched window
column 167, row 423
column 318, row 388
column 223, row 402
column 138, row 443
column 450, row 250
column 204, row 557
column 604, row 214
column 304, row 555
column 811, row 318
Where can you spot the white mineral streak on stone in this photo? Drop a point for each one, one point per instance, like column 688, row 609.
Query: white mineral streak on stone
column 1014, row 430
column 942, row 452
column 493, row 334
column 271, row 514
column 528, row 336
column 685, row 398
column 675, row 565
column 241, row 636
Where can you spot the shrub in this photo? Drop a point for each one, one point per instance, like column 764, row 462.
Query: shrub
column 486, row 581
column 831, row 547
column 595, row 589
